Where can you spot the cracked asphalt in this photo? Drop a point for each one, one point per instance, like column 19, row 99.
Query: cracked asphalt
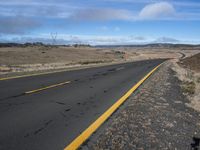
column 52, row 118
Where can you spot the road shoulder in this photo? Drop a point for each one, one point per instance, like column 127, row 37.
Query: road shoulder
column 154, row 117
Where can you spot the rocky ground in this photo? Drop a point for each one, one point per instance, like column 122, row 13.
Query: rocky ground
column 155, row 117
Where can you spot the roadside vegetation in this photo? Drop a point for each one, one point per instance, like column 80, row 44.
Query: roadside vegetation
column 188, row 87
column 188, row 71
column 38, row 57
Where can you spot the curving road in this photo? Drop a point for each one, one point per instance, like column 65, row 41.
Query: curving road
column 49, row 111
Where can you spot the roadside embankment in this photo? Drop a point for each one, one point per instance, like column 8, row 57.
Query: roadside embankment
column 188, row 72
column 154, row 117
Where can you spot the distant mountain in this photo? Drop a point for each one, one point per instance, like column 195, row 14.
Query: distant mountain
column 153, row 45
column 39, row 44
column 20, row 45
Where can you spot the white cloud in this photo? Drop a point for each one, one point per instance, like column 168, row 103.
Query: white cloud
column 104, row 40
column 106, row 28
column 95, row 40
column 102, row 14
column 153, row 11
column 159, row 10
column 166, row 40
column 64, row 10
column 138, row 38
column 17, row 25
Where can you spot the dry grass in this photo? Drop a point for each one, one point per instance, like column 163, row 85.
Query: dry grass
column 93, row 62
column 38, row 58
column 44, row 55
column 188, row 72
column 43, row 58
column 188, row 87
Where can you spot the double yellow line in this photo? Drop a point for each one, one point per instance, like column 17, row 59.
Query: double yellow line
column 77, row 142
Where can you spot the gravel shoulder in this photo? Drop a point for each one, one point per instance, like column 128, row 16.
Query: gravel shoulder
column 156, row 116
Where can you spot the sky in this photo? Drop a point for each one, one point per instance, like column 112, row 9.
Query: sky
column 100, row 22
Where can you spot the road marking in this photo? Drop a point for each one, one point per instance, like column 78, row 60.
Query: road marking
column 47, row 87
column 120, row 68
column 45, row 73
column 78, row 141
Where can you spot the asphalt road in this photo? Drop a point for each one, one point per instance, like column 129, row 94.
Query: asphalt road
column 52, row 118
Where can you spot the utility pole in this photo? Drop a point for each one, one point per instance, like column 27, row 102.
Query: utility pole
column 54, row 38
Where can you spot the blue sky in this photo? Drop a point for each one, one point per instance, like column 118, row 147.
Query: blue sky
column 99, row 22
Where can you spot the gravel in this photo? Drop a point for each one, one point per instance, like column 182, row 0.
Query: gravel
column 154, row 117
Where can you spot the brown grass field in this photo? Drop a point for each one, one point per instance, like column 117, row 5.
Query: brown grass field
column 42, row 58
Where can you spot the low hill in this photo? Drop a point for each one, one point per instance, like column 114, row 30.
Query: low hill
column 192, row 62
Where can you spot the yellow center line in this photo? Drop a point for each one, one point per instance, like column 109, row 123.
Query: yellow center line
column 78, row 141
column 47, row 87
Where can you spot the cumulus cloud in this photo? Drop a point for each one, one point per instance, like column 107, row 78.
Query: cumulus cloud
column 157, row 11
column 35, row 12
column 69, row 10
column 153, row 11
column 17, row 25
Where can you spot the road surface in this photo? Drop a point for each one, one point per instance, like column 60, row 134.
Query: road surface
column 49, row 111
